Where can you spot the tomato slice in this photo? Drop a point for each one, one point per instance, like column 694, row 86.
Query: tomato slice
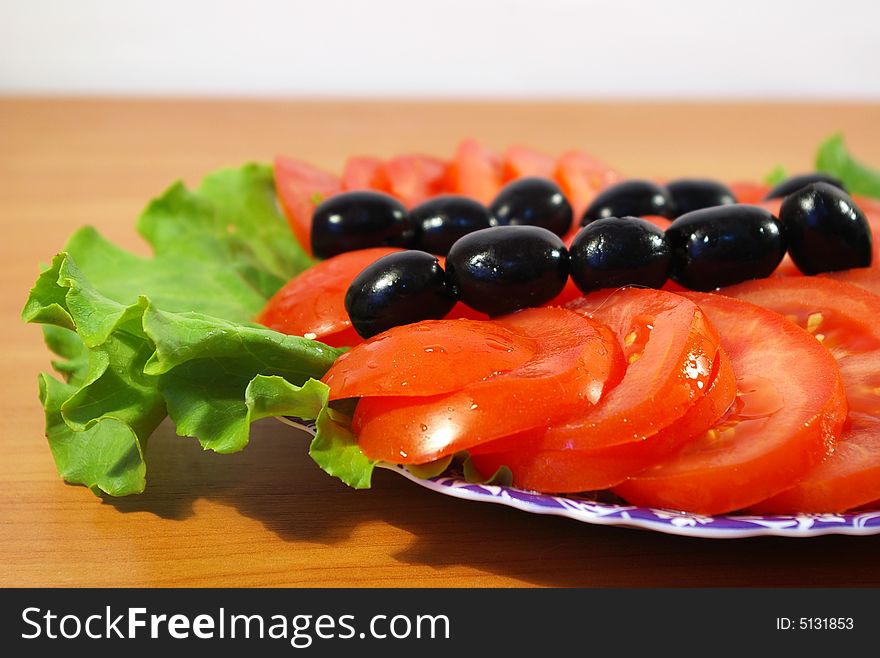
column 415, row 178
column 670, row 348
column 428, row 358
column 790, row 408
column 576, row 362
column 863, row 277
column 363, row 172
column 475, row 171
column 300, row 187
column 522, row 161
column 566, row 471
column 845, row 320
column 581, row 178
column 749, row 191
column 313, row 302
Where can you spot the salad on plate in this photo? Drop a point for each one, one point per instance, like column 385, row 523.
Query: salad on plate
column 689, row 356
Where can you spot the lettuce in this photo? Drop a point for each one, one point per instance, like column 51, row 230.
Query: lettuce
column 139, row 339
column 834, row 158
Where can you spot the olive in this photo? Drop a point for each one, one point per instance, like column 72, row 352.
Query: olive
column 532, row 202
column 400, row 288
column 690, row 194
column 720, row 246
column 826, row 231
column 438, row 223
column 357, row 220
column 614, row 252
column 795, row 183
column 503, row 269
column 632, row 198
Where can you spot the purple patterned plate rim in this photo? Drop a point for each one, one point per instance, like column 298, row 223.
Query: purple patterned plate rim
column 728, row 526
column 725, row 526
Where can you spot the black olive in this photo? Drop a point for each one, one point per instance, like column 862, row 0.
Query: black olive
column 506, row 268
column 632, row 198
column 400, row 288
column 614, row 252
column 794, row 183
column 720, row 246
column 532, row 202
column 689, row 194
column 826, row 230
column 439, row 222
column 357, row 220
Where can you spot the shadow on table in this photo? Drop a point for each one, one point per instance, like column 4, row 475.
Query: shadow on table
column 273, row 481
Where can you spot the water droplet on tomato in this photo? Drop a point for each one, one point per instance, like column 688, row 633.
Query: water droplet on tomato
column 496, row 344
column 423, row 427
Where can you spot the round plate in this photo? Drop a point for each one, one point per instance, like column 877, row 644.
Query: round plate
column 728, row 526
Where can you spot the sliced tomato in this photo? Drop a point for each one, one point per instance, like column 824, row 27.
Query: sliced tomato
column 301, row 187
column 522, row 161
column 581, row 178
column 415, row 178
column 313, row 303
column 670, row 348
column 844, row 319
column 576, row 362
column 863, row 277
column 565, row 471
column 428, row 358
column 790, row 409
column 749, row 191
column 363, row 172
column 475, row 171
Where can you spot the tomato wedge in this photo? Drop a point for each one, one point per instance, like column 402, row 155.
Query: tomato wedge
column 300, row 187
column 670, row 348
column 428, row 358
column 845, row 319
column 566, row 471
column 475, row 171
column 581, row 178
column 522, row 161
column 576, row 362
column 363, row 172
column 790, row 409
column 415, row 178
column 314, row 302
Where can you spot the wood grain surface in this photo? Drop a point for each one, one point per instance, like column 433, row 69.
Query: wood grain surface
column 267, row 516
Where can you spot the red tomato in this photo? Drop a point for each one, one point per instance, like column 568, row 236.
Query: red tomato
column 749, row 191
column 475, row 171
column 670, row 348
column 428, row 358
column 301, row 187
column 790, row 409
column 562, row 471
column 844, row 319
column 576, row 362
column 314, row 301
column 364, row 172
column 522, row 161
column 415, row 178
column 863, row 277
column 581, row 178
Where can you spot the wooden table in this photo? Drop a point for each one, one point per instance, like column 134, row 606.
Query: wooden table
column 267, row 516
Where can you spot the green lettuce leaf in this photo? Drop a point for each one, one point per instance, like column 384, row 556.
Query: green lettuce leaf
column 776, row 175
column 138, row 339
column 834, row 158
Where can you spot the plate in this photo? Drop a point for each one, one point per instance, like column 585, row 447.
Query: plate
column 596, row 512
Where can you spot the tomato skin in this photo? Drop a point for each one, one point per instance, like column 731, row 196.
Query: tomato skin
column 475, row 171
column 415, row 178
column 314, row 301
column 427, row 358
column 522, row 162
column 576, row 362
column 581, row 178
column 671, row 348
column 791, row 408
column 298, row 186
column 845, row 318
column 566, row 471
column 363, row 172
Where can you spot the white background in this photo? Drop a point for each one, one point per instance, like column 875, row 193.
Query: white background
column 787, row 49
